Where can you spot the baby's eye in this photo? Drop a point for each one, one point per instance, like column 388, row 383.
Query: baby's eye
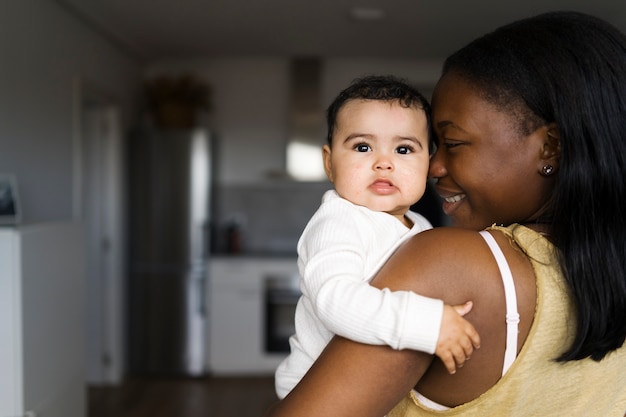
column 404, row 150
column 362, row 147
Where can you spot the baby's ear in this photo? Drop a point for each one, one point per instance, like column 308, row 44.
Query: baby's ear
column 328, row 166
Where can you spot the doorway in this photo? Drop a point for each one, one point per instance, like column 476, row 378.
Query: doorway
column 98, row 204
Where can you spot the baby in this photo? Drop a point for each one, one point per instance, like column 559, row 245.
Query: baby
column 377, row 158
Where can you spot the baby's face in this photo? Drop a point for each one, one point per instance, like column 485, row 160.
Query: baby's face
column 379, row 155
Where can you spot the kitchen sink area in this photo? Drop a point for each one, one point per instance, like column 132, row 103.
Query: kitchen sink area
column 263, row 219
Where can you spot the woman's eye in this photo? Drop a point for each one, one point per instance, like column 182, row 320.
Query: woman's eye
column 450, row 145
column 403, row 150
column 362, row 147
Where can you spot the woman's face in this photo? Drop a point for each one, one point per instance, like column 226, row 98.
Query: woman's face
column 487, row 171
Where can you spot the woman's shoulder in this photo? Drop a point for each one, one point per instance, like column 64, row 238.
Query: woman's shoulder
column 453, row 243
column 457, row 265
column 435, row 258
column 465, row 244
column 449, row 263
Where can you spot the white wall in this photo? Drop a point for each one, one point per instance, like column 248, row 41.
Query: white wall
column 339, row 72
column 44, row 51
column 249, row 115
column 250, row 97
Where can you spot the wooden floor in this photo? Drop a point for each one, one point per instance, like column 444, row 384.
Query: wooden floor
column 183, row 397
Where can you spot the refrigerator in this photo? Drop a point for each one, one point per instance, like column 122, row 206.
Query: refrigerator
column 169, row 226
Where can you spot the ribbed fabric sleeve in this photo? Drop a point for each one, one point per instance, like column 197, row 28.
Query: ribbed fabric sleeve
column 340, row 250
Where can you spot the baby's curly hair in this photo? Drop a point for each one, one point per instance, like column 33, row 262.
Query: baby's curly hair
column 382, row 88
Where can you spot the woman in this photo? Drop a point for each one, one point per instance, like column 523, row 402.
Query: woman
column 531, row 130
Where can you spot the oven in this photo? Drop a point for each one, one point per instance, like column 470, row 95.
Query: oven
column 280, row 298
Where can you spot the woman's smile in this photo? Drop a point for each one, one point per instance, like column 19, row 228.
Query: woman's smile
column 451, row 199
column 450, row 204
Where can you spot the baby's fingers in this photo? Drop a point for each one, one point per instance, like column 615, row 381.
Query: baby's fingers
column 449, row 362
column 461, row 354
column 457, row 356
column 474, row 337
column 466, row 348
column 463, row 309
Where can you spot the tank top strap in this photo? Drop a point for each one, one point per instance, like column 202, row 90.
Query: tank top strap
column 512, row 314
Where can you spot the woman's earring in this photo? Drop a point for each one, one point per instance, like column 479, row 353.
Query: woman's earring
column 547, row 170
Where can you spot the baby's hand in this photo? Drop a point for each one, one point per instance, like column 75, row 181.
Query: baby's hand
column 457, row 337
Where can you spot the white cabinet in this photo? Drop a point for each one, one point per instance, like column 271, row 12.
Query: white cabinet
column 42, row 321
column 236, row 294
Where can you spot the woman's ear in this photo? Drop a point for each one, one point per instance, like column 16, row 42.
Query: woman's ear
column 551, row 151
column 328, row 167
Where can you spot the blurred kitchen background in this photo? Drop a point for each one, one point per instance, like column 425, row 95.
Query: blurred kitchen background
column 166, row 155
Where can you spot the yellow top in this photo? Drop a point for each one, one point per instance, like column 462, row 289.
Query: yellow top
column 536, row 385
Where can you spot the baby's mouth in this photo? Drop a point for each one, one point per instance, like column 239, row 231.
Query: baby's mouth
column 383, row 182
column 383, row 187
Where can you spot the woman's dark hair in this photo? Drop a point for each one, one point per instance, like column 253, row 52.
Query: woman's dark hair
column 569, row 69
column 382, row 88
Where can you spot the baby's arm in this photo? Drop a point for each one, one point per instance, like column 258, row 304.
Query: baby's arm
column 400, row 319
column 331, row 261
column 332, row 268
column 360, row 312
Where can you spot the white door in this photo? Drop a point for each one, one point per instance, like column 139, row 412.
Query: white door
column 102, row 213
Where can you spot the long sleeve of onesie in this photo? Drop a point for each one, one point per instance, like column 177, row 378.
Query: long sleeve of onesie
column 341, row 249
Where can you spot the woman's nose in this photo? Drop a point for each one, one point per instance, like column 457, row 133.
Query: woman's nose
column 436, row 168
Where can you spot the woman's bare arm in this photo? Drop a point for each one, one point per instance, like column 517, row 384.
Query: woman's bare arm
column 348, row 378
column 351, row 379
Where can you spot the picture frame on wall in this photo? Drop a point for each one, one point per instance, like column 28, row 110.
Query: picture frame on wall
column 10, row 210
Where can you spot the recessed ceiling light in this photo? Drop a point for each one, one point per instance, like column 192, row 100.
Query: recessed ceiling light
column 367, row 13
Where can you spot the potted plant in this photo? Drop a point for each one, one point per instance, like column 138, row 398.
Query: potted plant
column 175, row 101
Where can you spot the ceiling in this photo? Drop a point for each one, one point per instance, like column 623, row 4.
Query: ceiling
column 156, row 30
